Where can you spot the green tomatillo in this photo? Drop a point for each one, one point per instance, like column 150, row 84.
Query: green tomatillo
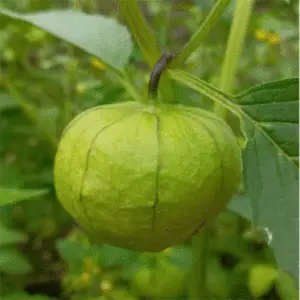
column 162, row 281
column 146, row 177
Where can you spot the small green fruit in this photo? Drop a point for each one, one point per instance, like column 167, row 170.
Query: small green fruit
column 146, row 177
column 161, row 282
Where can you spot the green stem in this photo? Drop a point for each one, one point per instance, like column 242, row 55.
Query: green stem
column 204, row 29
column 125, row 81
column 141, row 31
column 70, row 81
column 234, row 48
column 197, row 288
column 69, row 85
column 232, row 55
column 146, row 41
column 207, row 90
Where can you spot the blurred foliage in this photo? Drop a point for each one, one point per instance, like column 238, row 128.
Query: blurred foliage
column 43, row 254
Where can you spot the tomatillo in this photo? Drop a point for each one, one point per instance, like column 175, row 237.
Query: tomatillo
column 146, row 177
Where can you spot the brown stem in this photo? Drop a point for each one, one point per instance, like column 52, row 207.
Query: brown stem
column 156, row 73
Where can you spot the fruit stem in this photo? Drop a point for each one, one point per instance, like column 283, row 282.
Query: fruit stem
column 197, row 288
column 156, row 73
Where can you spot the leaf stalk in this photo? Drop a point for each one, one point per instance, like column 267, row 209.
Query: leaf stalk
column 234, row 49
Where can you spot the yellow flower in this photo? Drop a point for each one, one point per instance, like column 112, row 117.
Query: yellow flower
column 106, row 285
column 98, row 64
column 81, row 87
column 261, row 34
column 85, row 277
column 274, row 39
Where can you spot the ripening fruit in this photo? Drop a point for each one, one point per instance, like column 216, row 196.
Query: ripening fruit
column 145, row 177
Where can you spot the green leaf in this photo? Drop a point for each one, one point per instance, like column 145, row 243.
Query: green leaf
column 72, row 251
column 12, row 262
column 270, row 170
column 10, row 175
column 242, row 205
column 10, row 236
column 97, row 35
column 9, row 195
column 6, row 102
column 180, row 256
column 273, row 107
column 113, row 256
column 270, row 116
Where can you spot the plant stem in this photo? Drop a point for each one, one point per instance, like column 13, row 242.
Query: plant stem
column 146, row 41
column 197, row 288
column 69, row 87
column 125, row 81
column 33, row 115
column 205, row 28
column 141, row 31
column 157, row 72
column 207, row 90
column 232, row 55
column 234, row 48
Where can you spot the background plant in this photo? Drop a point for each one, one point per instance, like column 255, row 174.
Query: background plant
column 50, row 73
